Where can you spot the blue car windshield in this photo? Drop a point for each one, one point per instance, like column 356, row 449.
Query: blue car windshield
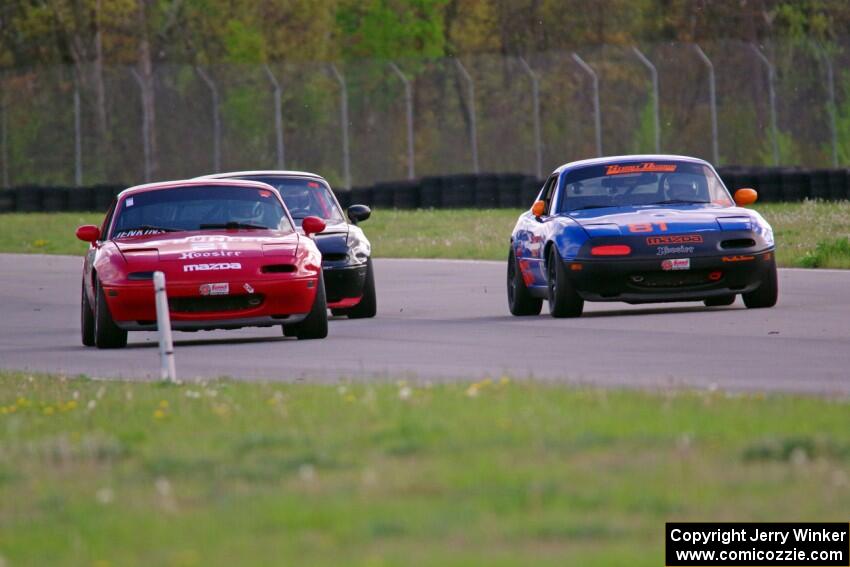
column 638, row 184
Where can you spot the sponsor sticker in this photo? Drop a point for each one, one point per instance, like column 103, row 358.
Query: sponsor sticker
column 209, row 254
column 313, row 185
column 647, row 167
column 248, row 288
column 132, row 233
column 674, row 239
column 676, row 264
column 738, row 258
column 130, row 201
column 666, row 250
column 215, row 289
column 212, row 267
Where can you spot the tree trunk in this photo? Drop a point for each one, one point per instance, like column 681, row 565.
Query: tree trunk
column 103, row 134
column 148, row 91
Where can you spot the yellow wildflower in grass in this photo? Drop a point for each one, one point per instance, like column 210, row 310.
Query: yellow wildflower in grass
column 48, row 410
column 473, row 389
column 159, row 414
column 350, row 398
column 221, row 410
column 276, row 399
column 504, row 380
column 23, row 402
column 163, row 404
column 40, row 243
column 70, row 405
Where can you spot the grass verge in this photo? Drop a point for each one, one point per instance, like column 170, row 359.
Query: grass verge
column 491, row 473
column 809, row 234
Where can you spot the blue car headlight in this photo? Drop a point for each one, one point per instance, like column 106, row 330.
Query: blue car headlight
column 765, row 230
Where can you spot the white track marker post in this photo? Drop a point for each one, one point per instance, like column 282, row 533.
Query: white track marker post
column 163, row 326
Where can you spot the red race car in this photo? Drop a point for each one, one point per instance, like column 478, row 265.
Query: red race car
column 230, row 254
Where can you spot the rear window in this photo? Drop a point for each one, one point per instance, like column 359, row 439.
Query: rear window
column 198, row 208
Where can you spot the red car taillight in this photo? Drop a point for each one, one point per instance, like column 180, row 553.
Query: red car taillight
column 611, row 250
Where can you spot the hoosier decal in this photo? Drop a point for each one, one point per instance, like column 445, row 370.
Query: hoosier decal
column 209, row 254
column 667, row 250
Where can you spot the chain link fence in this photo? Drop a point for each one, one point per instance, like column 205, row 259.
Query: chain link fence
column 365, row 122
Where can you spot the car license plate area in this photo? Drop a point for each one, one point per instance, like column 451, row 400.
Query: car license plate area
column 214, row 303
column 674, row 279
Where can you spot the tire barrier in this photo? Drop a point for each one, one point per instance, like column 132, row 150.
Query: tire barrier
column 486, row 190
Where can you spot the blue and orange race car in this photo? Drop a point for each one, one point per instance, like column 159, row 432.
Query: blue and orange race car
column 639, row 229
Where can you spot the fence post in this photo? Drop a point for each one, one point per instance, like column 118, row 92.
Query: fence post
column 473, row 127
column 167, row 370
column 346, row 150
column 772, row 95
column 830, row 85
column 4, row 152
column 278, row 118
column 535, row 99
column 653, row 73
column 597, row 117
column 78, row 135
column 216, row 118
column 712, row 101
column 408, row 102
column 146, row 135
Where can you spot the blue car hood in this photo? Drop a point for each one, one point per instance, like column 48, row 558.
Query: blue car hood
column 674, row 219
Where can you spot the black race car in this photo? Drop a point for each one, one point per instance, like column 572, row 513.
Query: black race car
column 346, row 252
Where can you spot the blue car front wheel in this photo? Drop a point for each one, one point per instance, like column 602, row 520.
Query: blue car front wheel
column 564, row 301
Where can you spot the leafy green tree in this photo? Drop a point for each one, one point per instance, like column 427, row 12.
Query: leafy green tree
column 391, row 28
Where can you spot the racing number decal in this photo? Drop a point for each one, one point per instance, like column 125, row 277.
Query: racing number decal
column 648, row 227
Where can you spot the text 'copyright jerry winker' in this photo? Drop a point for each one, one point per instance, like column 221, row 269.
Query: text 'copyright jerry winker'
column 742, row 544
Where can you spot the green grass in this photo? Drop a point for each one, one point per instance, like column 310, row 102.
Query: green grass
column 491, row 473
column 809, row 234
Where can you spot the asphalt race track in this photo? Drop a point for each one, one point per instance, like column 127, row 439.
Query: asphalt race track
column 441, row 320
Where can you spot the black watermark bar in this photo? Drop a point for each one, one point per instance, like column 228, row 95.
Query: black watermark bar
column 764, row 544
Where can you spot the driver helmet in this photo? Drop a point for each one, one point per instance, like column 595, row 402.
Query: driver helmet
column 298, row 201
column 681, row 189
column 245, row 211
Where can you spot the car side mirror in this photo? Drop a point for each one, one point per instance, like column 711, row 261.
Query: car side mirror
column 358, row 213
column 538, row 208
column 312, row 225
column 746, row 196
column 88, row 233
